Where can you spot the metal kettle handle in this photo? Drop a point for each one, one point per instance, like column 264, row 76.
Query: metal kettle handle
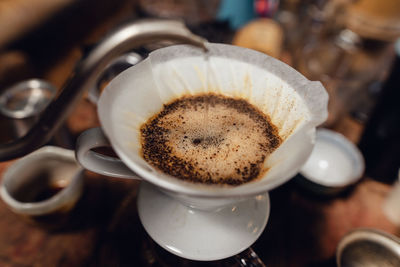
column 122, row 40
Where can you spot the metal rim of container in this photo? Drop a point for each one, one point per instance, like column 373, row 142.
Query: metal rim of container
column 32, row 84
column 367, row 234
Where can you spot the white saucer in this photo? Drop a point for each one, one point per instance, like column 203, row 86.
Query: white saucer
column 334, row 164
column 201, row 235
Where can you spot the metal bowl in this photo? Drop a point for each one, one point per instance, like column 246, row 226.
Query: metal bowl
column 26, row 99
column 368, row 248
column 21, row 106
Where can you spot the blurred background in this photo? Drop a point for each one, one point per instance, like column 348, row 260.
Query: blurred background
column 351, row 46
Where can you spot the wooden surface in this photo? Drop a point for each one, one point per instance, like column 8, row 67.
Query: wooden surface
column 24, row 243
column 104, row 229
column 18, row 17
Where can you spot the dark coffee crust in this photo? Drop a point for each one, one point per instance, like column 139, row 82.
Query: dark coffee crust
column 157, row 151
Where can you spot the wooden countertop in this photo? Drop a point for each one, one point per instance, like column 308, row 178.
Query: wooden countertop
column 303, row 230
column 104, row 230
column 18, row 17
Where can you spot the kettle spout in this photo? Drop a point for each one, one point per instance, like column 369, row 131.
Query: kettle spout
column 88, row 70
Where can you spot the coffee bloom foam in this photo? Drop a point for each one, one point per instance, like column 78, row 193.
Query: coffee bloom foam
column 209, row 138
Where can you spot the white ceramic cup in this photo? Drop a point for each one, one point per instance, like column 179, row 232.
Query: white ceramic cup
column 39, row 171
column 294, row 104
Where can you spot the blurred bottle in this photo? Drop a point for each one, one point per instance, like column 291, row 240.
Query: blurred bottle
column 380, row 142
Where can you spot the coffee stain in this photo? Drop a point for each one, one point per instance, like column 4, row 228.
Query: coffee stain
column 201, row 76
column 284, row 119
column 181, row 80
column 247, row 86
column 134, row 146
column 295, row 125
column 275, row 111
column 206, row 87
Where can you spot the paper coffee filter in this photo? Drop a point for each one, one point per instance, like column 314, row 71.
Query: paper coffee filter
column 294, row 104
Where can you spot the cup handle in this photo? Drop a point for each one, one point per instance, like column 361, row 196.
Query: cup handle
column 96, row 162
column 249, row 258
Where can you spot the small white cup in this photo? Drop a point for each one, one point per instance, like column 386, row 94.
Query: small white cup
column 43, row 186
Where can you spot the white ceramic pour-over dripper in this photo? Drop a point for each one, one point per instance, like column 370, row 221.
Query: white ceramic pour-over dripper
column 294, row 104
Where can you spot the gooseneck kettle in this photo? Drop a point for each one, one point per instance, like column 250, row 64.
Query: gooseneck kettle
column 121, row 40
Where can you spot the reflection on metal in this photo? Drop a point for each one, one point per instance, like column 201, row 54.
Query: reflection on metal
column 26, row 99
column 368, row 247
column 22, row 104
